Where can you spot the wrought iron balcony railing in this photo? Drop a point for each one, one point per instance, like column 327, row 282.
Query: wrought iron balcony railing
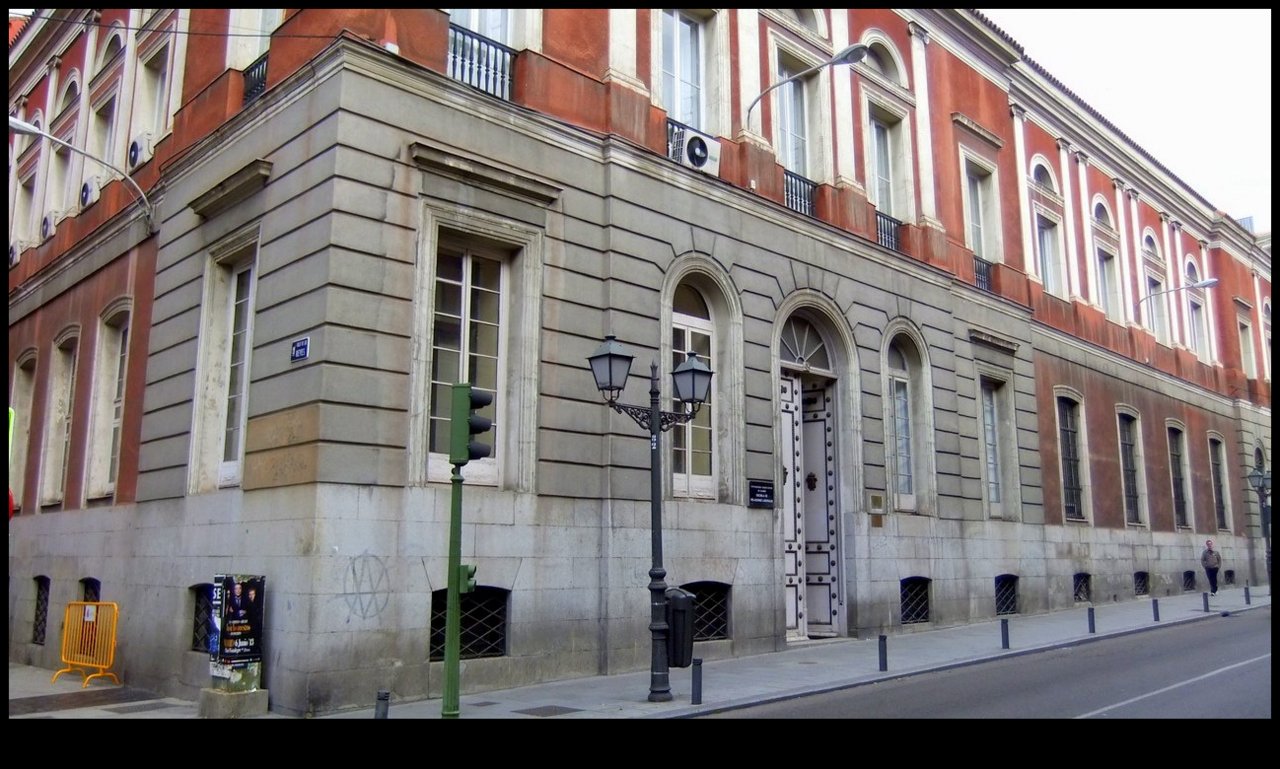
column 888, row 231
column 982, row 273
column 798, row 192
column 479, row 62
column 255, row 79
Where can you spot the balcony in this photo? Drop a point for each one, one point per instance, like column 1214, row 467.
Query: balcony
column 798, row 192
column 479, row 62
column 255, row 79
column 888, row 231
column 982, row 273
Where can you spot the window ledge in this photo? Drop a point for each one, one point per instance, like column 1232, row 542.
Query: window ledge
column 233, row 189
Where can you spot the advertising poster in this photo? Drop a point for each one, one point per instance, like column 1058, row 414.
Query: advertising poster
column 240, row 618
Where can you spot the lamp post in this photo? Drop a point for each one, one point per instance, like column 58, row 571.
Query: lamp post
column 1261, row 483
column 23, row 127
column 854, row 53
column 610, row 365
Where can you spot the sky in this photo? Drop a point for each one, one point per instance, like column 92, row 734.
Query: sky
column 1191, row 87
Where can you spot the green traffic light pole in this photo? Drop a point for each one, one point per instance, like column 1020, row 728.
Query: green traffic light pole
column 463, row 423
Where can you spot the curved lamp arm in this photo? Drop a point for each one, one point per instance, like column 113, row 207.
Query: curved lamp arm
column 853, row 53
column 23, row 127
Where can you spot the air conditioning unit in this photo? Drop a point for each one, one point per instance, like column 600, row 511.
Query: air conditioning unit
column 90, row 191
column 139, row 150
column 48, row 225
column 697, row 151
column 15, row 252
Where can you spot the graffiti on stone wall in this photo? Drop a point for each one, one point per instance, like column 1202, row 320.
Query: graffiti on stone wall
column 366, row 585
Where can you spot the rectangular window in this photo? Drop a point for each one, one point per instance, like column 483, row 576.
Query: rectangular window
column 1159, row 312
column 1069, row 441
column 682, row 67
column 152, row 101
column 59, row 173
column 991, row 444
column 465, row 346
column 490, row 22
column 976, row 238
column 1050, row 269
column 1215, row 471
column 226, row 351
column 1195, row 324
column 23, row 394
column 57, row 436
column 792, row 125
column 883, row 165
column 108, row 406
column 1246, row 351
column 102, row 139
column 1178, row 476
column 1129, row 468
column 1108, row 285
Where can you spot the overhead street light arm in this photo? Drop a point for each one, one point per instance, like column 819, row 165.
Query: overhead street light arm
column 850, row 55
column 1206, row 283
column 23, row 127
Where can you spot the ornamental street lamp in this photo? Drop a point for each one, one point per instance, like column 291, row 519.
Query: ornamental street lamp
column 610, row 365
column 23, row 127
column 1261, row 483
column 1206, row 283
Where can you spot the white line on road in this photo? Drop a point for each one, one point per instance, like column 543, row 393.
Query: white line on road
column 1175, row 686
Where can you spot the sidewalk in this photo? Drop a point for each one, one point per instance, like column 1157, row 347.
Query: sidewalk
column 808, row 668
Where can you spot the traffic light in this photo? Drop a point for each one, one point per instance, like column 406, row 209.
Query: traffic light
column 464, row 423
column 466, row 578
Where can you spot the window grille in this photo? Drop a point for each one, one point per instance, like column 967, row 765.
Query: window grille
column 92, row 589
column 915, row 600
column 202, row 621
column 1189, row 581
column 1141, row 583
column 1081, row 587
column 1229, row 577
column 482, row 623
column 710, row 610
column 799, row 193
column 479, row 62
column 1072, row 491
column 41, row 619
column 1006, row 594
column 888, row 231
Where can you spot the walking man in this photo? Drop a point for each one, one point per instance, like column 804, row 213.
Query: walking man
column 1211, row 559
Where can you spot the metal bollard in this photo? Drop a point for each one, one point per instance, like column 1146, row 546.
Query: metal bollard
column 1155, row 609
column 884, row 653
column 1004, row 634
column 1205, row 596
column 1246, row 594
column 384, row 701
column 1092, row 629
column 697, row 681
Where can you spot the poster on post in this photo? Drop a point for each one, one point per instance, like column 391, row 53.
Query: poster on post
column 236, row 636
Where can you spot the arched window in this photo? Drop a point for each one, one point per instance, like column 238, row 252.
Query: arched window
column 1197, row 330
column 906, row 419
column 108, row 403
column 693, row 455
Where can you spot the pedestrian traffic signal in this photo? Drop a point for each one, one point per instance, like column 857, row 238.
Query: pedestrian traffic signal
column 464, row 423
column 466, row 578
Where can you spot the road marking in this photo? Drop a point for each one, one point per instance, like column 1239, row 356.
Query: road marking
column 1174, row 686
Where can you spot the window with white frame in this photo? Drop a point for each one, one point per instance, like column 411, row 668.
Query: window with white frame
column 466, row 342
column 151, row 102
column 21, row 399
column 253, row 28
column 1247, row 362
column 1266, row 339
column 693, row 459
column 108, row 404
column 999, row 447
column 1195, row 326
column 1071, row 458
column 102, row 138
column 1049, row 251
column 225, row 355
column 793, row 123
column 54, row 468
column 1109, row 293
column 886, row 108
column 906, row 423
column 1131, row 485
column 20, row 227
column 683, row 45
column 493, row 23
column 1179, row 471
column 1156, row 308
column 1217, row 469
column 982, row 212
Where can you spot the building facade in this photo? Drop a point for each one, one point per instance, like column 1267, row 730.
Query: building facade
column 968, row 357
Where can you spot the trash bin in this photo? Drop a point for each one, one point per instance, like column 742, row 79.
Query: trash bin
column 679, row 627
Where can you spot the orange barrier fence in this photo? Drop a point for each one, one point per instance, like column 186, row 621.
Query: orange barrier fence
column 89, row 640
